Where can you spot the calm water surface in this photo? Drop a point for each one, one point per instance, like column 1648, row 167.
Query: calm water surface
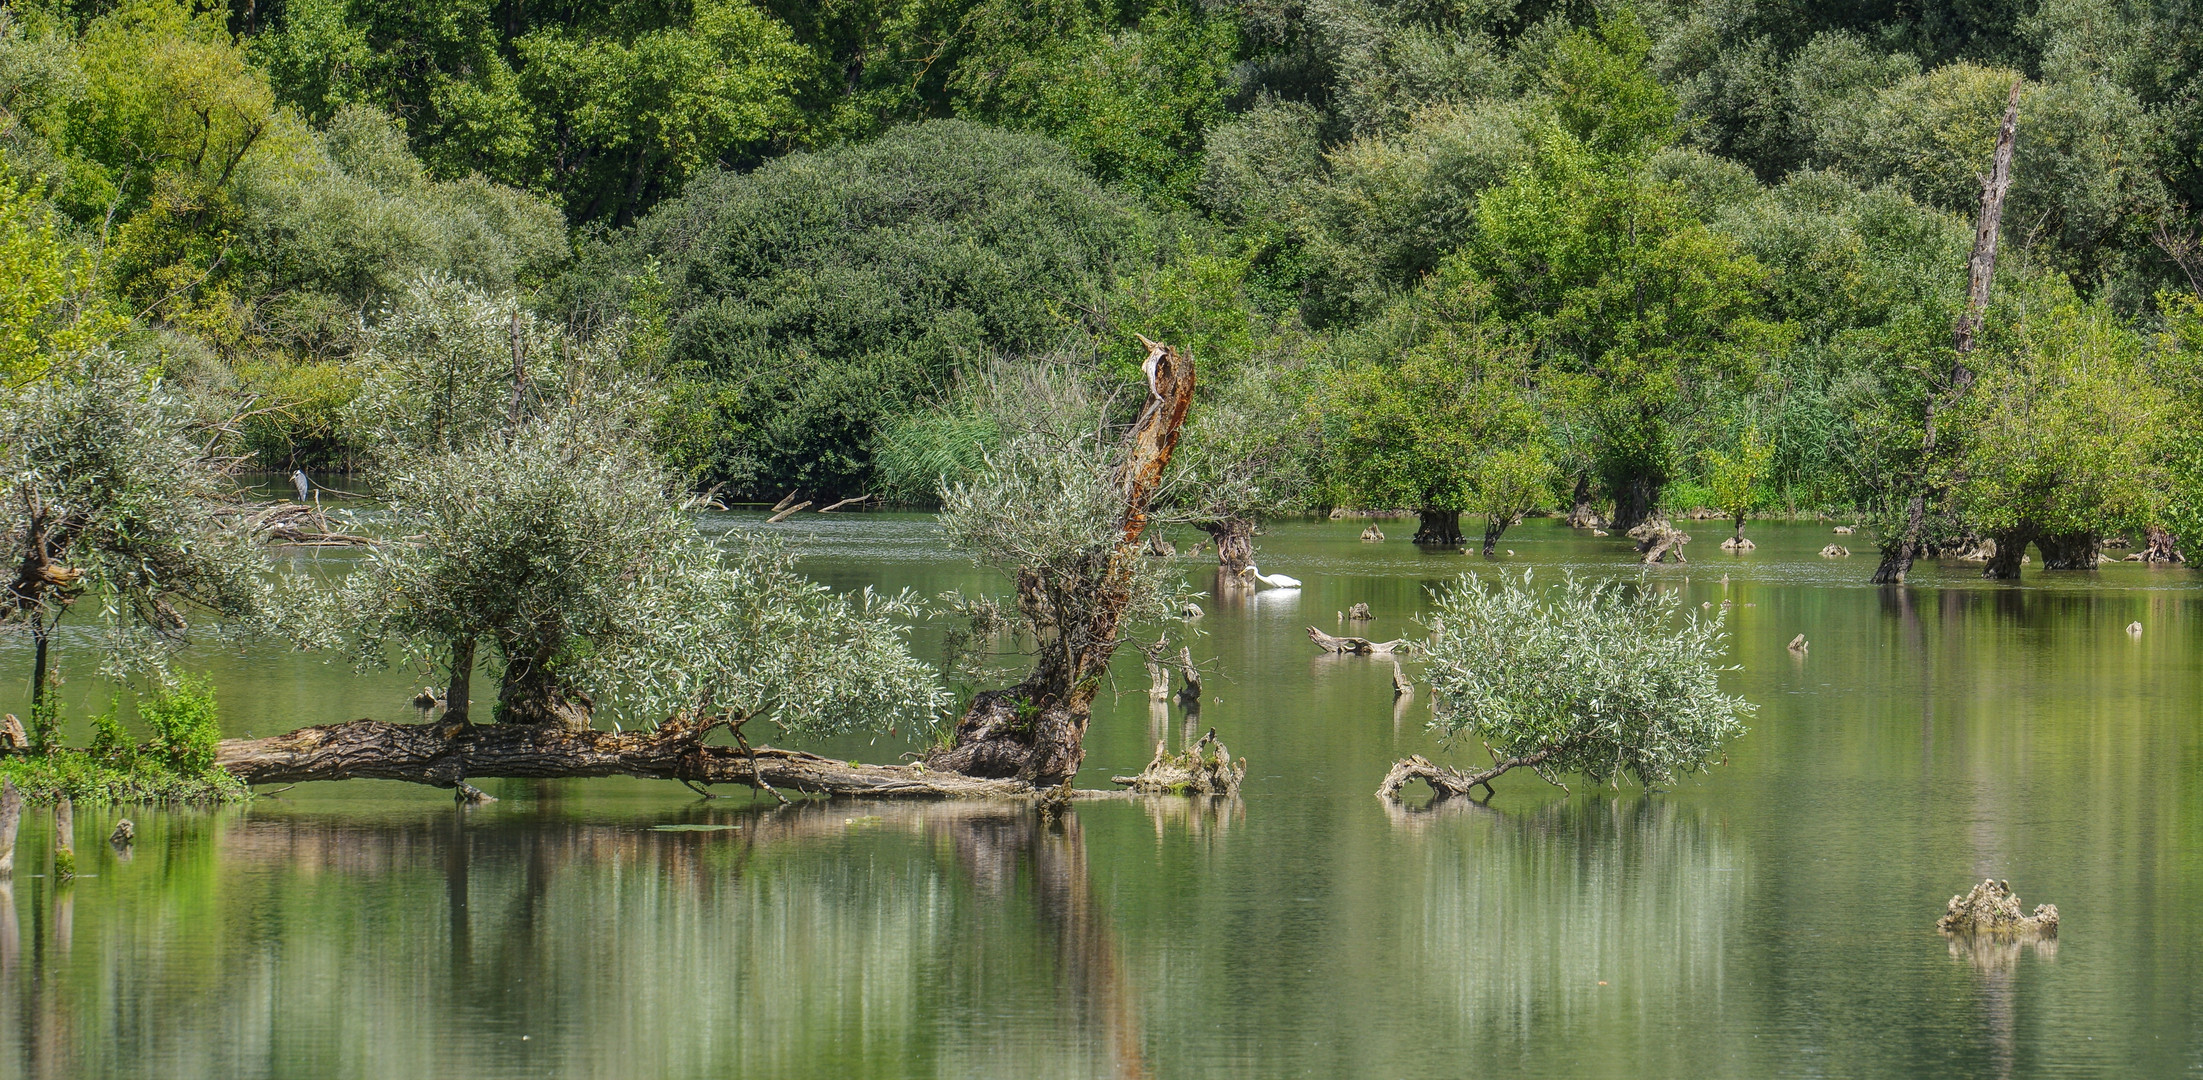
column 1771, row 919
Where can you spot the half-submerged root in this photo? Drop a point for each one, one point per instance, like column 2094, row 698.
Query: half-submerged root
column 1205, row 768
column 1993, row 908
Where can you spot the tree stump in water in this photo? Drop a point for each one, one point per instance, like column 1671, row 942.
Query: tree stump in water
column 1234, row 543
column 1206, row 768
column 1835, row 551
column 1737, row 543
column 1581, row 515
column 1373, row 535
column 1992, row 908
column 2158, row 546
column 1359, row 613
column 1656, row 540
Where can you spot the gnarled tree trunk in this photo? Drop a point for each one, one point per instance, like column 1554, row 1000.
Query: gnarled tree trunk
column 1035, row 731
column 2011, row 547
column 1633, row 500
column 1494, row 526
column 2070, row 551
column 1234, row 538
column 1441, row 528
column 2158, row 546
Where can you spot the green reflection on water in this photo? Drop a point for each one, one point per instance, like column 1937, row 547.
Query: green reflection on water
column 1771, row 919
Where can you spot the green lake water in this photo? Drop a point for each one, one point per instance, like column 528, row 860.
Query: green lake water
column 1774, row 918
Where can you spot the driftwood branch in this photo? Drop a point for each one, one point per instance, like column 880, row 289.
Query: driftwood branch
column 1358, row 646
column 844, row 502
column 789, row 512
column 1448, row 782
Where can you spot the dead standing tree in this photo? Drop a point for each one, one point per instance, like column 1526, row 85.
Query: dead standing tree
column 1900, row 550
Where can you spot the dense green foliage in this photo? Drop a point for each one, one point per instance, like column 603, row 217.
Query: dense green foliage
column 1461, row 258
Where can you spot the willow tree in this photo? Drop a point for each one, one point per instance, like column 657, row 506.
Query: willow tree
column 1060, row 511
column 112, row 502
column 1599, row 680
column 2062, row 437
column 1432, row 411
column 555, row 545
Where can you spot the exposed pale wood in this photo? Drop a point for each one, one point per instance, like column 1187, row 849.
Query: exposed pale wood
column 844, row 502
column 784, row 501
column 785, row 514
column 1358, row 646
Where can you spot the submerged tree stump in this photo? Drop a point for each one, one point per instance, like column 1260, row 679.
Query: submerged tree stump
column 1206, row 768
column 1993, row 908
column 1373, row 535
column 1656, row 540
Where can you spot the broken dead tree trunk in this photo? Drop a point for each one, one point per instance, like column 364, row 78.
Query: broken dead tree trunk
column 784, row 515
column 430, row 754
column 1206, row 768
column 1356, row 646
column 1910, row 542
column 1035, row 731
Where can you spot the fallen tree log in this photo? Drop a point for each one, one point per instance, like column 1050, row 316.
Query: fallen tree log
column 441, row 756
column 1358, row 646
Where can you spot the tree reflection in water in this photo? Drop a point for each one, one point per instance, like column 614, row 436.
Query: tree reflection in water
column 819, row 939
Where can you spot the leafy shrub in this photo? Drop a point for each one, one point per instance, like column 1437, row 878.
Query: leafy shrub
column 1600, row 679
column 185, row 722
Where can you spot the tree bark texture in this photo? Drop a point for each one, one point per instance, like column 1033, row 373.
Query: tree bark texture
column 2011, row 547
column 1438, row 528
column 2070, row 551
column 1035, row 731
column 1234, row 543
column 1908, row 544
column 1494, row 526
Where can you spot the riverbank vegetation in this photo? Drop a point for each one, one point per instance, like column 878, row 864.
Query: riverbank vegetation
column 546, row 280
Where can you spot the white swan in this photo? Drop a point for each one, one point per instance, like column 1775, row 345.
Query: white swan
column 1275, row 580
